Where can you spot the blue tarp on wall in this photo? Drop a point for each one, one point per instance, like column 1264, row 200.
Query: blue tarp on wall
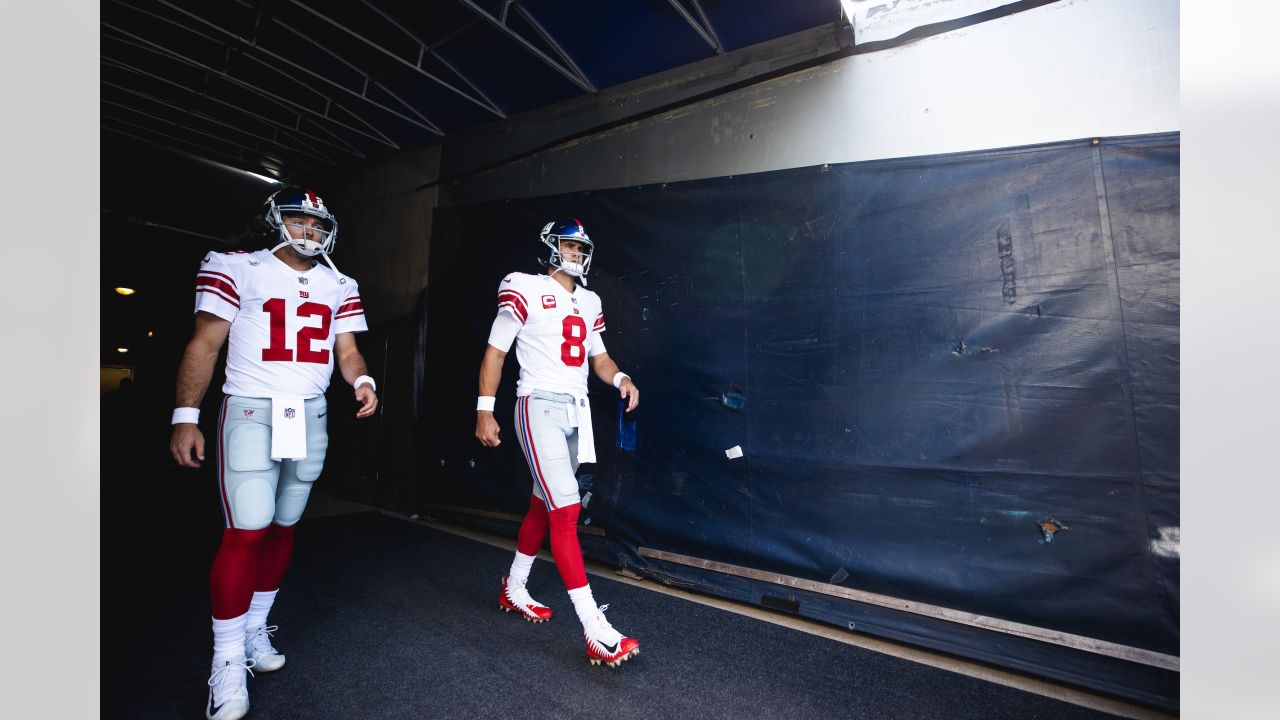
column 922, row 360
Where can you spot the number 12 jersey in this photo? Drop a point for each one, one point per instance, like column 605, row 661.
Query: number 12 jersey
column 283, row 322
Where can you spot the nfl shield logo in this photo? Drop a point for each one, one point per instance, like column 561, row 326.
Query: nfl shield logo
column 289, row 413
column 248, row 413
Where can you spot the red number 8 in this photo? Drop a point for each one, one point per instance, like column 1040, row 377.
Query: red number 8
column 575, row 336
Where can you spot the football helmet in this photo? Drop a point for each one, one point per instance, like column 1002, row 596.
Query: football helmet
column 568, row 229
column 301, row 201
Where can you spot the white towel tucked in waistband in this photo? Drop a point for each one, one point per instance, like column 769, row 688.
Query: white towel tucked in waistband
column 580, row 417
column 288, row 428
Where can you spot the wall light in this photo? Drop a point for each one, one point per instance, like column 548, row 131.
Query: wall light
column 122, row 350
column 125, row 290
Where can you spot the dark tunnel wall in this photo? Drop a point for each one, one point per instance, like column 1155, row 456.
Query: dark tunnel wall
column 922, row 360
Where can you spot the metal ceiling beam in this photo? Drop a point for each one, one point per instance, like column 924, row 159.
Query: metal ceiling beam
column 151, row 223
column 180, row 125
column 161, row 50
column 581, row 82
column 708, row 34
column 294, row 131
column 706, row 22
column 367, row 77
column 548, row 39
column 425, row 47
column 168, row 141
column 274, row 98
column 345, row 145
column 416, row 68
column 252, row 43
column 364, row 75
column 207, row 118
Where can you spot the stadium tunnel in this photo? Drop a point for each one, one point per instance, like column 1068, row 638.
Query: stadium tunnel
column 899, row 281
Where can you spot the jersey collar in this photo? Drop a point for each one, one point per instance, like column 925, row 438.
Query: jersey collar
column 284, row 268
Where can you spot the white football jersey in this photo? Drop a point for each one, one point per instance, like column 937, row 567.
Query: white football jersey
column 283, row 322
column 558, row 332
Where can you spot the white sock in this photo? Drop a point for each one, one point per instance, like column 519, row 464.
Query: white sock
column 258, row 609
column 584, row 603
column 228, row 639
column 520, row 567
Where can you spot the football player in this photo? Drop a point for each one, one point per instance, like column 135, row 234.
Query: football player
column 288, row 318
column 556, row 325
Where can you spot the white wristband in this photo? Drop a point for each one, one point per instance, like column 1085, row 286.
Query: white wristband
column 185, row 415
column 485, row 402
column 365, row 379
column 617, row 379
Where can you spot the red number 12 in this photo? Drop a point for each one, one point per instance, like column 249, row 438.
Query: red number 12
column 278, row 351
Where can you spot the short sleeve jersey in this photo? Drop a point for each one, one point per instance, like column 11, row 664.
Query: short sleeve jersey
column 559, row 330
column 283, row 322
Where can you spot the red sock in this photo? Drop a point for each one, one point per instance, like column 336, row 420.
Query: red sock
column 235, row 571
column 565, row 547
column 274, row 558
column 534, row 528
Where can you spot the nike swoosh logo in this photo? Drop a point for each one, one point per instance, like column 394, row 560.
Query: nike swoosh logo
column 326, row 412
column 611, row 648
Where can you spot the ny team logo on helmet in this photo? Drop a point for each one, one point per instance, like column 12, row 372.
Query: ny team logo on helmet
column 568, row 229
column 298, row 201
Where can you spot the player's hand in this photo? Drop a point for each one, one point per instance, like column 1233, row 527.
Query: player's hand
column 186, row 441
column 629, row 388
column 368, row 400
column 487, row 429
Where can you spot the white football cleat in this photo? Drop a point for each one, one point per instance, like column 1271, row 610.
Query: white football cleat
column 229, row 690
column 257, row 646
column 606, row 645
column 515, row 598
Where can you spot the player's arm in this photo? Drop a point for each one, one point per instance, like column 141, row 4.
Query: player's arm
column 354, row 370
column 186, row 444
column 607, row 370
column 487, row 429
column 502, row 335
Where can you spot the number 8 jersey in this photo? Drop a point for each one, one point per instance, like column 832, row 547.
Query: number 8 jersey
column 559, row 330
column 283, row 322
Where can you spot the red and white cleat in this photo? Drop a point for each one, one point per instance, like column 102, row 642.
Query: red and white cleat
column 606, row 645
column 515, row 598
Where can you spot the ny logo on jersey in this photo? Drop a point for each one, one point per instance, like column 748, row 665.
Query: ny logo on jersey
column 304, row 294
column 289, row 413
column 548, row 301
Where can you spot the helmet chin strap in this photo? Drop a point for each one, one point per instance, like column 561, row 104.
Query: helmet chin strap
column 341, row 278
column 580, row 277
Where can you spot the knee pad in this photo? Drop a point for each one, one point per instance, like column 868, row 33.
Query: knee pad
column 252, row 500
column 248, row 476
